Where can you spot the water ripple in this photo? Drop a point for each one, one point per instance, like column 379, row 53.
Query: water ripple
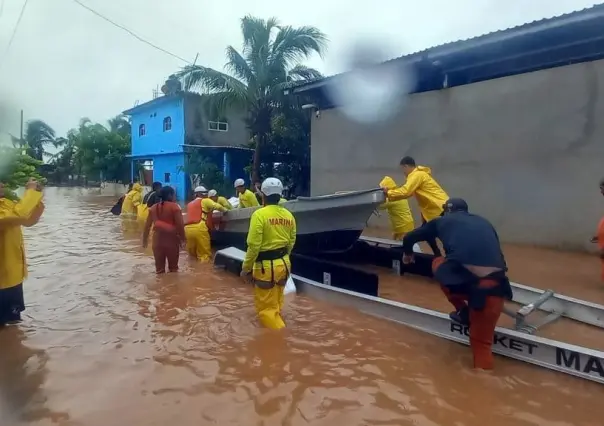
column 106, row 342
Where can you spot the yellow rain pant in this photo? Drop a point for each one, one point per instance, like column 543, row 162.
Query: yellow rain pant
column 129, row 223
column 269, row 302
column 199, row 244
column 142, row 213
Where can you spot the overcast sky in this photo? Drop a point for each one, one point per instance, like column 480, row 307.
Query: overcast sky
column 66, row 63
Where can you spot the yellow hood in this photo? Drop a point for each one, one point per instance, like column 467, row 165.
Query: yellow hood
column 137, row 187
column 424, row 169
column 388, row 183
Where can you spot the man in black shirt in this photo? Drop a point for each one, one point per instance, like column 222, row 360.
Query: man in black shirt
column 153, row 196
column 472, row 275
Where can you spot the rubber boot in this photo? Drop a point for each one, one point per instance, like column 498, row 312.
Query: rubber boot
column 461, row 317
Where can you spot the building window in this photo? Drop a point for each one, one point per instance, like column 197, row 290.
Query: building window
column 218, row 126
column 167, row 177
column 141, row 130
column 167, row 124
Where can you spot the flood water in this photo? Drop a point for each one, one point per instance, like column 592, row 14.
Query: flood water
column 106, row 342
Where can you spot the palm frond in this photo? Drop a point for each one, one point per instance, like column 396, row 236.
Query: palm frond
column 238, row 66
column 292, row 45
column 208, row 81
column 303, row 73
column 218, row 104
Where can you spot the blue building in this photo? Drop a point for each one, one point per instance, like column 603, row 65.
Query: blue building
column 168, row 128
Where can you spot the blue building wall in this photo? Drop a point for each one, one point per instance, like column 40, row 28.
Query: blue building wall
column 166, row 147
column 169, row 170
column 152, row 115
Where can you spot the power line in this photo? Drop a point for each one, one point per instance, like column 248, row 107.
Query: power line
column 136, row 36
column 12, row 37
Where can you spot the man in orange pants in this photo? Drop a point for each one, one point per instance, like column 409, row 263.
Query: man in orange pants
column 472, row 276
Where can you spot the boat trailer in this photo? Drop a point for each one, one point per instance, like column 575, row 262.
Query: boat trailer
column 531, row 299
column 355, row 288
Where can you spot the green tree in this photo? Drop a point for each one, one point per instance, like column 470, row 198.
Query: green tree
column 100, row 152
column 16, row 168
column 289, row 146
column 120, row 125
column 38, row 136
column 256, row 77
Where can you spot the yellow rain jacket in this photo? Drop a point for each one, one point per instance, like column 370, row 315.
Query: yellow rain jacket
column 429, row 194
column 401, row 219
column 132, row 201
column 224, row 203
column 142, row 213
column 282, row 200
column 26, row 212
column 248, row 199
column 271, row 237
column 199, row 244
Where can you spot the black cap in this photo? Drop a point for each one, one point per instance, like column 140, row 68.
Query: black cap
column 455, row 205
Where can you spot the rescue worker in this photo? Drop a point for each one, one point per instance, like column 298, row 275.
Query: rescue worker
column 142, row 210
column 270, row 240
column 13, row 267
column 401, row 219
column 116, row 210
column 168, row 231
column 153, row 196
column 246, row 197
column 429, row 194
column 472, row 276
column 199, row 223
column 213, row 195
column 130, row 207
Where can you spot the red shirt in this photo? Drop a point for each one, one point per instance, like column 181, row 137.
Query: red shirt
column 167, row 217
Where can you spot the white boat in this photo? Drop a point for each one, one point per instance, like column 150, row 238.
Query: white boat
column 326, row 223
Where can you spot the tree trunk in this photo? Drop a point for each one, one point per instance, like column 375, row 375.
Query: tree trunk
column 256, row 160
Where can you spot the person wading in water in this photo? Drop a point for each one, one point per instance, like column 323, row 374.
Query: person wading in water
column 169, row 231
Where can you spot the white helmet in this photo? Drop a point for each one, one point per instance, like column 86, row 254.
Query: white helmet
column 201, row 189
column 239, row 182
column 271, row 186
column 212, row 193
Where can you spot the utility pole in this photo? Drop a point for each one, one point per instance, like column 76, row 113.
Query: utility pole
column 21, row 135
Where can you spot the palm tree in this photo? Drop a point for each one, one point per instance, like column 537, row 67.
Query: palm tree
column 38, row 135
column 120, row 124
column 256, row 77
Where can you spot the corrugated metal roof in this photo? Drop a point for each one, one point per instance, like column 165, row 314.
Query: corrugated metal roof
column 444, row 49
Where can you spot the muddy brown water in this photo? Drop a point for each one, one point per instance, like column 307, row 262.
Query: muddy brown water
column 106, row 342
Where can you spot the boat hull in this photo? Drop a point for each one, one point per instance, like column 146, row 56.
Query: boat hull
column 330, row 223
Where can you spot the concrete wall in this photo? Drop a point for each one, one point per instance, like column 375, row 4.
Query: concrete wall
column 197, row 128
column 157, row 140
column 526, row 151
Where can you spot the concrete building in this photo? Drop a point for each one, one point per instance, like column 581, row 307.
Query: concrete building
column 167, row 129
column 510, row 121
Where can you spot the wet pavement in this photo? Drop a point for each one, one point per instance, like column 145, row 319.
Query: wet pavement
column 106, row 342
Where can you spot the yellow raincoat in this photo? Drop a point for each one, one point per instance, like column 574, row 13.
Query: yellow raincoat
column 429, row 194
column 282, row 200
column 224, row 203
column 272, row 229
column 248, row 199
column 199, row 244
column 401, row 219
column 13, row 215
column 129, row 214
